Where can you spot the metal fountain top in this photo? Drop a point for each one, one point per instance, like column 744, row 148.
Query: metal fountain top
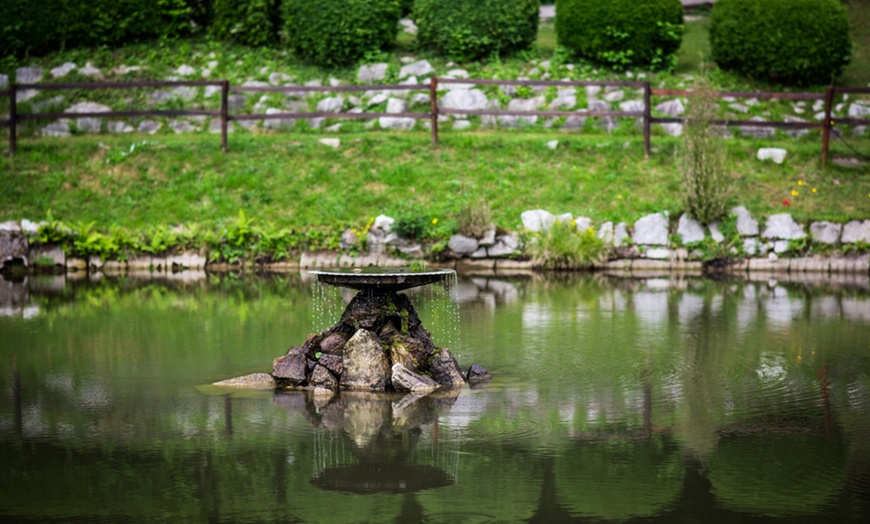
column 382, row 280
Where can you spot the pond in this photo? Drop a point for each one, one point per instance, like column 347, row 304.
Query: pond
column 660, row 399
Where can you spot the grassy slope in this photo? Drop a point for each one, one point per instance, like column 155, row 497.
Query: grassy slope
column 290, row 179
column 293, row 180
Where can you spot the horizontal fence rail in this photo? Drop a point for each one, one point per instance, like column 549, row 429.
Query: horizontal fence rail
column 645, row 115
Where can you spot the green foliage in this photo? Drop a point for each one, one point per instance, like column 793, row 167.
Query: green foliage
column 475, row 29
column 795, row 42
column 252, row 22
column 411, row 225
column 701, row 160
column 29, row 27
column 621, row 33
column 339, row 32
column 563, row 247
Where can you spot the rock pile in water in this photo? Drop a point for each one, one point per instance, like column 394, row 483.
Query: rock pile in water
column 379, row 344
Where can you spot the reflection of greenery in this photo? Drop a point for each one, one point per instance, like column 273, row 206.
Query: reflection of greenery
column 618, row 480
column 777, row 476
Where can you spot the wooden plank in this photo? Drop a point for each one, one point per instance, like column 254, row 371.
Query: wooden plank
column 120, row 85
column 118, row 114
column 293, row 89
column 556, row 83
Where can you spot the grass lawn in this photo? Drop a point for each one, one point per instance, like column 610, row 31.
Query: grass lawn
column 292, row 180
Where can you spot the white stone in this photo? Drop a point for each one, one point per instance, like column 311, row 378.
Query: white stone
column 856, row 231
column 4, row 81
column 632, row 106
column 330, row 105
column 566, row 101
column 149, row 127
column 371, row 73
column 673, row 129
column 55, row 129
column 522, row 104
column 118, row 126
column 651, row 230
column 689, row 230
column 185, row 70
column 420, row 68
column 826, row 232
column 28, row 75
column 658, row 253
column 746, row 225
column 463, row 245
column 460, row 125
column 620, row 234
column 396, row 105
column 772, row 153
column 63, row 70
column 565, row 218
column 553, row 144
column 858, row 110
column 464, row 100
column 592, row 91
column 750, row 246
column 384, row 223
column 334, row 143
column 783, row 227
column 615, row 96
column 583, row 224
column 605, row 232
column 90, row 70
column 537, row 220
column 715, row 234
column 671, row 108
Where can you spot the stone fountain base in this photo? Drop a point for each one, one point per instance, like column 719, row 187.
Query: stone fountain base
column 379, row 344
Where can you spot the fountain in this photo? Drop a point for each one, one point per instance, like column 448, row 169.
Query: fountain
column 379, row 344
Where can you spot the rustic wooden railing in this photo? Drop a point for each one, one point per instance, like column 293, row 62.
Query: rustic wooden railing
column 826, row 125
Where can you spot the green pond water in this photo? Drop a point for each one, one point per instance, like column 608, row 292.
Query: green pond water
column 613, row 400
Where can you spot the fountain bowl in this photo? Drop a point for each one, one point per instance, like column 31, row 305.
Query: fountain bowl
column 382, row 280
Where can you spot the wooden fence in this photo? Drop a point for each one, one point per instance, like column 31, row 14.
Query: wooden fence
column 826, row 125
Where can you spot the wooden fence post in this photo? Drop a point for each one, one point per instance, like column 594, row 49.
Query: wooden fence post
column 647, row 115
column 433, row 116
column 13, row 118
column 225, row 89
column 827, row 124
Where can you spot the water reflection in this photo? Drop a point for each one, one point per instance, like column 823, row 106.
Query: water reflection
column 613, row 399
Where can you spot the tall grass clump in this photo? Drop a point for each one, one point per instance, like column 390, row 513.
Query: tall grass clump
column 793, row 42
column 701, row 160
column 563, row 247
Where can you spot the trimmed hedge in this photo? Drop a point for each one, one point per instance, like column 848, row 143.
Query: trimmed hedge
column 621, row 33
column 795, row 42
column 38, row 27
column 339, row 32
column 249, row 22
column 473, row 29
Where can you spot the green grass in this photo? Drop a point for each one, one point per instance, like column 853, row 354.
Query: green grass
column 293, row 181
column 858, row 72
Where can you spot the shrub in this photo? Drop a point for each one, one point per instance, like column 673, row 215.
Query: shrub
column 473, row 29
column 252, row 22
column 786, row 41
column 339, row 32
column 621, row 33
column 30, row 27
column 701, row 162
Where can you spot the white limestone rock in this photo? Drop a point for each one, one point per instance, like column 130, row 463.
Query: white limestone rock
column 651, row 230
column 689, row 230
column 826, row 232
column 783, row 227
column 775, row 154
column 856, row 231
column 537, row 220
column 746, row 225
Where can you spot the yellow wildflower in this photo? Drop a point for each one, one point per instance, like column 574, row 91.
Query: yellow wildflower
column 434, row 221
column 619, row 197
column 794, row 193
column 800, row 182
column 814, row 190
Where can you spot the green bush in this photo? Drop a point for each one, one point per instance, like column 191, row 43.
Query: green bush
column 563, row 247
column 339, row 32
column 251, row 22
column 795, row 42
column 29, row 27
column 621, row 33
column 473, row 29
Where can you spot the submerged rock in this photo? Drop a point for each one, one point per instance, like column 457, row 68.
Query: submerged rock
column 406, row 380
column 253, row 381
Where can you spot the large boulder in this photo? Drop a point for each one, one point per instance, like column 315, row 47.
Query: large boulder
column 368, row 74
column 826, row 232
column 538, row 220
column 406, row 380
column 689, row 230
column 856, row 231
column 290, row 369
column 464, row 100
column 365, row 365
column 445, row 369
column 746, row 225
